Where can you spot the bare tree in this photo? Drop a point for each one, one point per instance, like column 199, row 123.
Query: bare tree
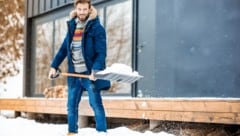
column 11, row 37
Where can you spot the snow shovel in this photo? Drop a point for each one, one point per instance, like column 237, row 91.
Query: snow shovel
column 105, row 75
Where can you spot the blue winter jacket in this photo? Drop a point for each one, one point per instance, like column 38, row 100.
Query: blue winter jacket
column 93, row 49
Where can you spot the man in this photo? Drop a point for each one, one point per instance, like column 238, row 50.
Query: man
column 85, row 48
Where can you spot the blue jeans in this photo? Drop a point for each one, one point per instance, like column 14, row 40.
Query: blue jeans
column 95, row 100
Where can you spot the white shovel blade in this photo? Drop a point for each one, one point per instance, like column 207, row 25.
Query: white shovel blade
column 118, row 77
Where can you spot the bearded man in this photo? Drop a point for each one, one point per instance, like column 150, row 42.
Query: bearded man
column 85, row 49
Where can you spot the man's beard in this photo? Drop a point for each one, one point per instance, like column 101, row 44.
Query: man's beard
column 83, row 19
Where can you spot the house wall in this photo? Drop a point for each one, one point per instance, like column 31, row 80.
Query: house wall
column 46, row 30
column 183, row 48
column 191, row 48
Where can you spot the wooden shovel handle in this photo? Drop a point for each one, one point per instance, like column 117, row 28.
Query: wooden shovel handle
column 75, row 75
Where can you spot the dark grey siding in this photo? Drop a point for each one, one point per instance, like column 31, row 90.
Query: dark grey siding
column 38, row 7
column 35, row 7
column 69, row 1
column 48, row 5
column 191, row 48
column 29, row 2
column 55, row 3
column 42, row 6
column 62, row 2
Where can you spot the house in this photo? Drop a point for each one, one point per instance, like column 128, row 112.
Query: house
column 186, row 50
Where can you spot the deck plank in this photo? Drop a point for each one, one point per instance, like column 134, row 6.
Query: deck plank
column 225, row 111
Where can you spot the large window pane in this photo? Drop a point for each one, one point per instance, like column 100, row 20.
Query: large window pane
column 43, row 55
column 119, row 38
column 49, row 37
column 60, row 33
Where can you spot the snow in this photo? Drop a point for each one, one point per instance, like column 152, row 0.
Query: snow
column 14, row 86
column 25, row 127
column 120, row 73
column 121, row 69
column 12, row 89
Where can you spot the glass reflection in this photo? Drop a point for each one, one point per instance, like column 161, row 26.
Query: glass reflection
column 43, row 55
column 119, row 38
column 60, row 33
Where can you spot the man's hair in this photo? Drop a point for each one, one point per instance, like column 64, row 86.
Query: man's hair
column 82, row 1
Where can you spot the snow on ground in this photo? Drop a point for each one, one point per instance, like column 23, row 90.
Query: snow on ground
column 24, row 127
column 14, row 86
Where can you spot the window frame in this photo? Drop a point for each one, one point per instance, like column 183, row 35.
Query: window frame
column 63, row 12
column 50, row 17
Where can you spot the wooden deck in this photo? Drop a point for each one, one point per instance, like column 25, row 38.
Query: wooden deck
column 224, row 111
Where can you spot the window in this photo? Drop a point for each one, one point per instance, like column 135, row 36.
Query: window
column 60, row 33
column 50, row 32
column 117, row 19
column 43, row 55
column 49, row 36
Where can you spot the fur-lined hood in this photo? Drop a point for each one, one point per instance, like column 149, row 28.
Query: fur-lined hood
column 92, row 16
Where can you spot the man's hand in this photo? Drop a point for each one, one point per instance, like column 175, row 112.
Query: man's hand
column 91, row 77
column 51, row 73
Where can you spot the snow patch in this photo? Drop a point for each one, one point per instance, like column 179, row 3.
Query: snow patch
column 24, row 127
column 14, row 86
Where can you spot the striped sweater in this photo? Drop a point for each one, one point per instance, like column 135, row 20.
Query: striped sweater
column 76, row 46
